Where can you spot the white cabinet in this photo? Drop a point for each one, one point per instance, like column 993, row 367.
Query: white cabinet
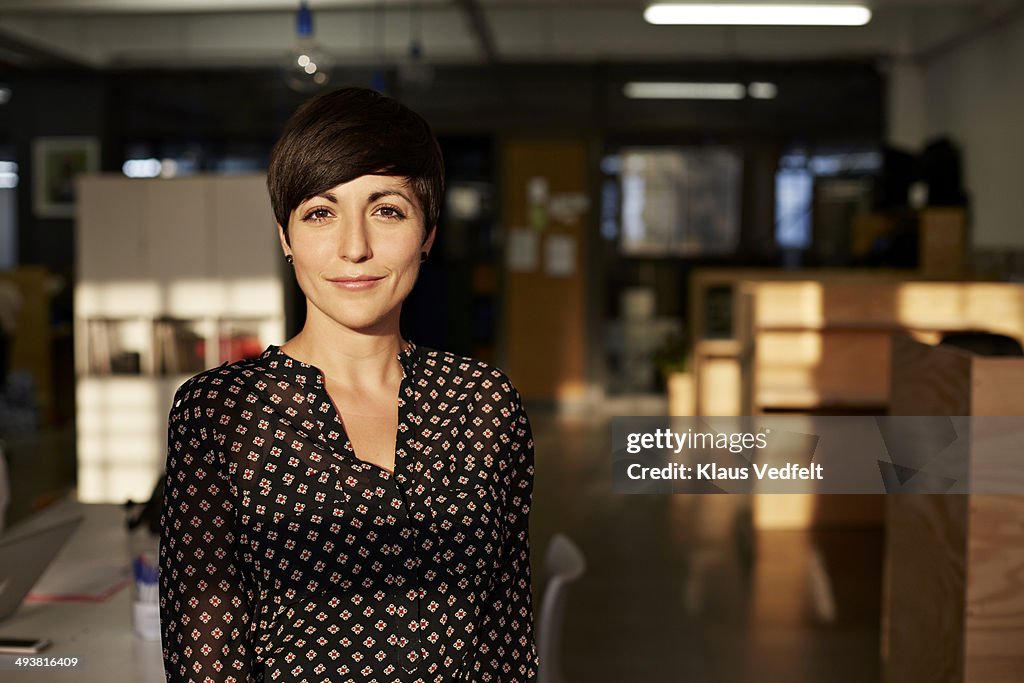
column 239, row 221
column 109, row 239
column 173, row 276
column 176, row 223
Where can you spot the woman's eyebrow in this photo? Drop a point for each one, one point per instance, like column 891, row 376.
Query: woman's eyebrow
column 374, row 196
column 329, row 196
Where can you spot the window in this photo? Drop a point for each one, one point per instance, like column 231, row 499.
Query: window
column 679, row 201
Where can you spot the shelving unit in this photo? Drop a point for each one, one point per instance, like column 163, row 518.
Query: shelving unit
column 767, row 340
column 824, row 344
column 819, row 342
column 174, row 276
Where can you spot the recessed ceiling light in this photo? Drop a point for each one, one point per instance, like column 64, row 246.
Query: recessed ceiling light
column 758, row 14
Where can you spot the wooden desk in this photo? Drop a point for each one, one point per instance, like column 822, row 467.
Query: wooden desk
column 99, row 634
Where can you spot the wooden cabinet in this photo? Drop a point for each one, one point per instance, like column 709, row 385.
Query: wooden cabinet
column 953, row 610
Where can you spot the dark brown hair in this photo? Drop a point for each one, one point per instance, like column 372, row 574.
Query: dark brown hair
column 339, row 136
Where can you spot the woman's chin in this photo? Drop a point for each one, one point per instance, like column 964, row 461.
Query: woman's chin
column 369, row 323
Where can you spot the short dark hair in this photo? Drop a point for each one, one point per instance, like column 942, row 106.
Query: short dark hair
column 341, row 135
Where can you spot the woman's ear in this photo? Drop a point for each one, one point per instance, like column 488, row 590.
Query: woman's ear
column 283, row 236
column 428, row 243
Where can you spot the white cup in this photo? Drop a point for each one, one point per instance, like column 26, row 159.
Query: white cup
column 146, row 620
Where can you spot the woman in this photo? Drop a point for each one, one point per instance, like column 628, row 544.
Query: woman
column 349, row 506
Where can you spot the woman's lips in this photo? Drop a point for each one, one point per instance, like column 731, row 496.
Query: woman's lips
column 361, row 282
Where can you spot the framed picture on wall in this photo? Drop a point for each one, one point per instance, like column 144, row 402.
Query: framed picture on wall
column 56, row 161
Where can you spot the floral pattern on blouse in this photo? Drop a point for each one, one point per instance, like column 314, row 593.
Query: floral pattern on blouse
column 285, row 558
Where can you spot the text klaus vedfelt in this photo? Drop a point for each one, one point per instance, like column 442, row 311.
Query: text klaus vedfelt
column 737, row 442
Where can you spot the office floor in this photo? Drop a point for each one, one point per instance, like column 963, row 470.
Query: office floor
column 678, row 588
column 681, row 588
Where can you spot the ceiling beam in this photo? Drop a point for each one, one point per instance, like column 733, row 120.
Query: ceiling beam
column 16, row 53
column 480, row 28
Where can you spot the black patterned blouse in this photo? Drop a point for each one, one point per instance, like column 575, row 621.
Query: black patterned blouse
column 285, row 558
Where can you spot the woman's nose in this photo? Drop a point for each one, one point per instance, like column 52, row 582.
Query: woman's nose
column 354, row 244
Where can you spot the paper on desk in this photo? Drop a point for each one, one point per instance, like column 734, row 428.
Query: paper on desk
column 90, row 581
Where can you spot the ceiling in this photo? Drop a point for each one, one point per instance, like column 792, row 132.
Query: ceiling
column 225, row 33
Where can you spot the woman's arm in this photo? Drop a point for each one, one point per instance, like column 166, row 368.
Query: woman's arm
column 508, row 652
column 204, row 612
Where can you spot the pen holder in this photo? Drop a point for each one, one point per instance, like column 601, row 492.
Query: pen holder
column 145, row 553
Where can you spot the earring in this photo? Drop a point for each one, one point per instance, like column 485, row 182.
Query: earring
column 423, row 256
column 289, row 258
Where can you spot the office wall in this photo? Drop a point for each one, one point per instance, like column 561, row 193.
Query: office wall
column 224, row 109
column 972, row 92
column 67, row 104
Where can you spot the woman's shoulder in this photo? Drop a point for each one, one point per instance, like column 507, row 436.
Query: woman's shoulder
column 480, row 377
column 215, row 388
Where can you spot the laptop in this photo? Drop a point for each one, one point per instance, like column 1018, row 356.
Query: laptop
column 25, row 553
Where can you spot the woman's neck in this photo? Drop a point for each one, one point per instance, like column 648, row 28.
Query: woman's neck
column 348, row 357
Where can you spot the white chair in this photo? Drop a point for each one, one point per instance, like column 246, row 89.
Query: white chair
column 563, row 564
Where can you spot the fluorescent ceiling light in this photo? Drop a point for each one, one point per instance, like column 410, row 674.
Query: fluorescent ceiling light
column 758, row 14
column 675, row 90
column 141, row 168
column 762, row 91
column 685, row 91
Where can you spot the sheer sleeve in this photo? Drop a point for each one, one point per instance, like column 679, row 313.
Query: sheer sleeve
column 508, row 628
column 204, row 611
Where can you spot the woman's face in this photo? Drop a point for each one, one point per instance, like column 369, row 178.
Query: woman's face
column 356, row 251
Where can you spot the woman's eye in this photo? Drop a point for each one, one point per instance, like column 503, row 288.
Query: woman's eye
column 390, row 212
column 317, row 215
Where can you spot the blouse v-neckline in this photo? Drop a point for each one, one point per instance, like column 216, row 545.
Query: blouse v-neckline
column 407, row 357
